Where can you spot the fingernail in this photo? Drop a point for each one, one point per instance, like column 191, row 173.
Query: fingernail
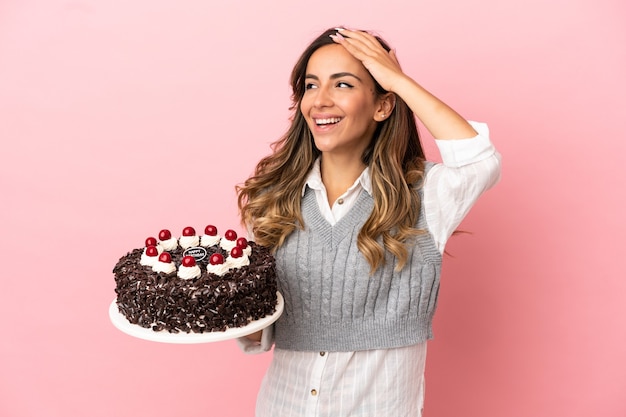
column 339, row 29
column 337, row 37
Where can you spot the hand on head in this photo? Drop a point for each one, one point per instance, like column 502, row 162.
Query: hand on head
column 382, row 64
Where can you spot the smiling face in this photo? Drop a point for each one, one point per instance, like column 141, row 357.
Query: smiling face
column 339, row 104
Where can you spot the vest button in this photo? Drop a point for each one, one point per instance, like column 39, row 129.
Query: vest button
column 314, row 392
column 322, row 353
column 340, row 201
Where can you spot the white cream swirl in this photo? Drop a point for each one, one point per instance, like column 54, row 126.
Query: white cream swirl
column 237, row 262
column 227, row 245
column 189, row 272
column 188, row 241
column 169, row 244
column 219, row 269
column 248, row 250
column 208, row 240
column 148, row 260
column 165, row 267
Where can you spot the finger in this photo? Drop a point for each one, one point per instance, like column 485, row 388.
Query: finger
column 366, row 49
column 366, row 38
column 352, row 45
column 361, row 48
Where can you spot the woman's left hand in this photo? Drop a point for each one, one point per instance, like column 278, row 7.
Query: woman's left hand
column 383, row 65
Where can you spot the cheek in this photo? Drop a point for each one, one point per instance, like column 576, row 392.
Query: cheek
column 305, row 110
column 362, row 105
column 305, row 105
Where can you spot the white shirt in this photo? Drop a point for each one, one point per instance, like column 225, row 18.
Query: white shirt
column 387, row 382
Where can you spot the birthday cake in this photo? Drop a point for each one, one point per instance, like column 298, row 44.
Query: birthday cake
column 196, row 284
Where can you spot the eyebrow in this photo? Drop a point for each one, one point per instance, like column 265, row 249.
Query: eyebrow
column 334, row 76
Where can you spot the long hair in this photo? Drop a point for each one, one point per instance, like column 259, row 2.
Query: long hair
column 269, row 201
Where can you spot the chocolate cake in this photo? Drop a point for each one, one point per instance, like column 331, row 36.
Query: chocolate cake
column 193, row 288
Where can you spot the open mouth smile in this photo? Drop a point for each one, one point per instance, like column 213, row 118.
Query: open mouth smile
column 327, row 121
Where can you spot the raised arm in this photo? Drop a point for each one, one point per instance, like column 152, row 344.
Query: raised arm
column 440, row 120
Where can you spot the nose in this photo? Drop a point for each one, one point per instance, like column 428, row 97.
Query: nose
column 322, row 98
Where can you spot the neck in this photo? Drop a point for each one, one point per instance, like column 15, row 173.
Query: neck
column 339, row 173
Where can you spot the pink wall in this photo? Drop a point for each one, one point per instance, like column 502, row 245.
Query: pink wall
column 118, row 118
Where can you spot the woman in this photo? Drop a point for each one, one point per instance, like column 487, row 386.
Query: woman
column 359, row 222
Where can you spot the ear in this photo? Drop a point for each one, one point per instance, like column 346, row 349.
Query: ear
column 386, row 104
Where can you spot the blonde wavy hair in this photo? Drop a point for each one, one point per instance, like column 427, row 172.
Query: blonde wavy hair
column 269, row 201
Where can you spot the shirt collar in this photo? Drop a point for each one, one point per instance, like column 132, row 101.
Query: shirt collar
column 314, row 179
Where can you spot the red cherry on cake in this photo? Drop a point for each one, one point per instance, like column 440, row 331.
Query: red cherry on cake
column 152, row 251
column 189, row 261
column 165, row 258
column 189, row 231
column 236, row 252
column 165, row 235
column 210, row 230
column 216, row 259
column 242, row 242
column 151, row 242
column 230, row 235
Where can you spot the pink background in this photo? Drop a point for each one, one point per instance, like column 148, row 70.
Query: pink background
column 119, row 118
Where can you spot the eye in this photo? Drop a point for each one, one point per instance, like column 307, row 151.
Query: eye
column 343, row 84
column 308, row 86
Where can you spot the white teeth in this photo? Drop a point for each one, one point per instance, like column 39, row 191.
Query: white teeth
column 327, row 121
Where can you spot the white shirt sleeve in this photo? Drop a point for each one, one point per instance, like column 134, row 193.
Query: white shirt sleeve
column 470, row 167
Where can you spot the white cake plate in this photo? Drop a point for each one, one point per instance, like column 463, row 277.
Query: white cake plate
column 120, row 321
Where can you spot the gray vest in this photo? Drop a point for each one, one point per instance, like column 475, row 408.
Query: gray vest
column 331, row 301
